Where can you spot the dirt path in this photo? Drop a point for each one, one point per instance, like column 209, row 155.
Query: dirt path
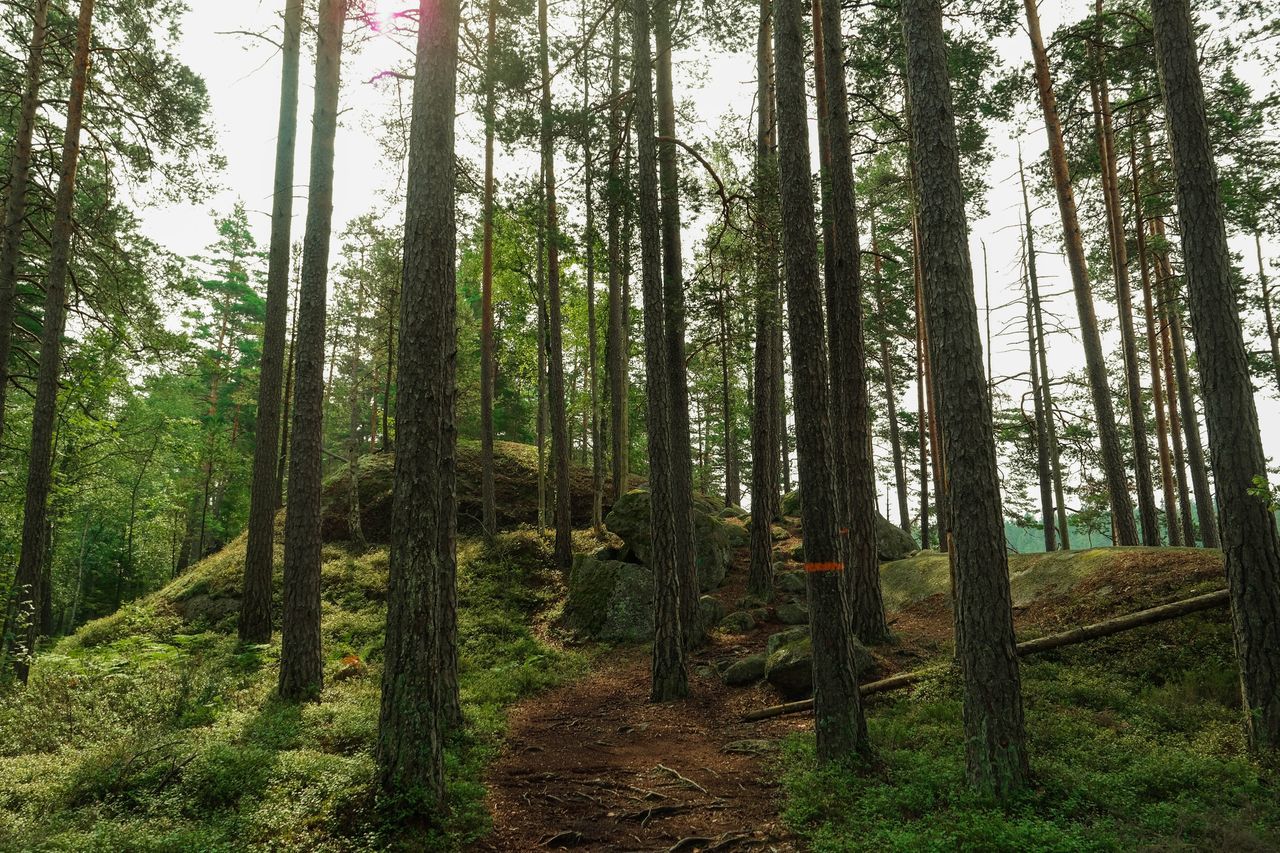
column 594, row 765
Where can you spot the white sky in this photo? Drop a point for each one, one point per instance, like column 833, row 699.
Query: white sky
column 243, row 79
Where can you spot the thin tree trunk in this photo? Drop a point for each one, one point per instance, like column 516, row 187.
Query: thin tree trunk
column 936, row 448
column 1043, row 471
column 1273, row 334
column 840, row 725
column 615, row 346
column 995, row 741
column 255, row 604
column 1251, row 544
column 890, row 395
column 488, row 499
column 15, row 210
column 1153, row 357
column 282, row 463
column 764, row 422
column 420, row 676
column 1205, row 513
column 560, row 448
column 1095, row 361
column 593, row 373
column 1120, row 270
column 543, row 409
column 354, row 526
column 922, row 425
column 44, row 410
column 301, row 661
column 1175, row 422
column 670, row 677
column 851, row 407
column 731, row 495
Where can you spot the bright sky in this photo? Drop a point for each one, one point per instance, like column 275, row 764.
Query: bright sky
column 243, row 79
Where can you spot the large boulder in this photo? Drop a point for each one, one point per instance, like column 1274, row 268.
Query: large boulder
column 629, row 519
column 515, row 475
column 789, row 662
column 610, row 600
column 891, row 542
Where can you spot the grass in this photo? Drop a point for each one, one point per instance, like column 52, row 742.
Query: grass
column 1136, row 743
column 146, row 732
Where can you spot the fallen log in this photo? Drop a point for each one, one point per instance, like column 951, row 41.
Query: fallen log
column 1106, row 628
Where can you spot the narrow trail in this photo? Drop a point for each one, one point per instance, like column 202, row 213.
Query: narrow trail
column 594, row 765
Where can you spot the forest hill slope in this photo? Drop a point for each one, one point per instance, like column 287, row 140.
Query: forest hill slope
column 515, row 485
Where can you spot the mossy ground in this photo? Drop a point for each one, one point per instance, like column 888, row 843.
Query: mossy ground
column 147, row 732
column 1136, row 740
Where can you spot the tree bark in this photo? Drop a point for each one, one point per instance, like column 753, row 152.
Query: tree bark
column 890, row 394
column 1095, row 361
column 851, row 410
column 1205, row 512
column 44, row 410
column 488, row 500
column 301, row 661
column 1153, row 357
column 840, row 726
column 282, row 463
column 922, row 422
column 589, row 237
column 419, row 680
column 255, row 605
column 995, row 739
column 615, row 347
column 764, row 422
column 670, row 677
column 1185, row 520
column 1120, row 270
column 15, row 210
column 1273, row 334
column 1251, row 544
column 1043, row 472
column 560, row 448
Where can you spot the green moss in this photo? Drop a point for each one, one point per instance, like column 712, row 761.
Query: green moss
column 143, row 732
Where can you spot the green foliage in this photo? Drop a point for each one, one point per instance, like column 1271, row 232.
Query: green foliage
column 1136, row 742
column 139, row 733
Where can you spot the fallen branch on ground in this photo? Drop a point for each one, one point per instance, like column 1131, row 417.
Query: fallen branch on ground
column 1164, row 612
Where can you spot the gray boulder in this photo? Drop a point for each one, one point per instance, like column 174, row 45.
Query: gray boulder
column 739, row 622
column 713, row 551
column 790, row 582
column 789, row 662
column 793, row 613
column 610, row 600
column 749, row 670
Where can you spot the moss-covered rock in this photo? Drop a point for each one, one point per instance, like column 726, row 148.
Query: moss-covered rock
column 891, row 542
column 738, row 622
column 610, row 600
column 515, row 472
column 629, row 520
column 790, row 582
column 746, row 671
column 789, row 662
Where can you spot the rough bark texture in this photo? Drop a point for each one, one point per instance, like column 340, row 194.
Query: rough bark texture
column 301, row 662
column 255, row 605
column 1153, row 359
column 1150, row 523
column 670, row 678
column 764, row 423
column 926, row 540
column 1250, row 545
column 615, row 338
column 1095, row 360
column 673, row 304
column 560, row 449
column 419, row 680
column 15, row 209
column 44, row 411
column 995, row 739
column 839, row 723
column 488, row 501
column 851, row 411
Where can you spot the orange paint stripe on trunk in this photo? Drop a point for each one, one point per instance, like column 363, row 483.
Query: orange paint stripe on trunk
column 824, row 567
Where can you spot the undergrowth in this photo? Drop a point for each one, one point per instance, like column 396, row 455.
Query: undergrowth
column 1136, row 743
column 145, row 732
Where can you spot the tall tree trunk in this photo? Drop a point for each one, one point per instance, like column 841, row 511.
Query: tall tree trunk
column 15, row 210
column 44, row 410
column 1095, row 360
column 615, row 339
column 670, row 677
column 764, row 421
column 840, row 725
column 282, row 463
column 890, row 395
column 1251, row 544
column 301, row 662
column 1153, row 357
column 731, row 494
column 356, row 410
column 420, row 676
column 780, row 385
column 1043, row 472
column 673, row 303
column 560, row 449
column 255, row 604
column 544, row 412
column 593, row 372
column 995, row 741
column 1185, row 519
column 488, row 500
column 936, row 448
column 851, row 410
column 1120, row 270
column 922, row 426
